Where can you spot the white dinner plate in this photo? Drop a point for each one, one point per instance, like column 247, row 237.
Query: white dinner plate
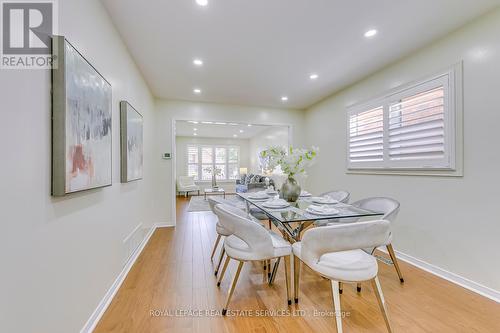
column 275, row 206
column 326, row 212
column 324, row 201
column 259, row 198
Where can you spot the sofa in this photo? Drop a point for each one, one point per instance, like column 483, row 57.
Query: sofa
column 252, row 183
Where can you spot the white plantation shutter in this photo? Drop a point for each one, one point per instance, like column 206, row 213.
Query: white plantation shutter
column 202, row 159
column 193, row 159
column 416, row 127
column 366, row 135
column 411, row 129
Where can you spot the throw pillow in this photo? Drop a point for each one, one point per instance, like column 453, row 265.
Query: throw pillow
column 255, row 179
column 248, row 179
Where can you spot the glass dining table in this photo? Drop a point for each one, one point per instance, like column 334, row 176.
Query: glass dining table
column 294, row 219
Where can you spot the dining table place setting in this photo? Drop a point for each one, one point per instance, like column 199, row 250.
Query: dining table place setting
column 276, row 204
column 325, row 200
column 260, row 196
column 322, row 210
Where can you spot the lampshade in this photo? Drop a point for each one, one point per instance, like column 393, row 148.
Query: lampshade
column 243, row 171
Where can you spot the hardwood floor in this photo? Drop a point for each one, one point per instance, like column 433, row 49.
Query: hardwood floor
column 174, row 272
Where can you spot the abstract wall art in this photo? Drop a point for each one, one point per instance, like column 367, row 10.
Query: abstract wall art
column 131, row 129
column 81, row 123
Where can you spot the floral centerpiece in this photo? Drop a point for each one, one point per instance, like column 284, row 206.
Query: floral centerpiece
column 292, row 161
column 215, row 172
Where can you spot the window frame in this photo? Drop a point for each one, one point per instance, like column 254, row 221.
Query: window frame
column 213, row 164
column 451, row 164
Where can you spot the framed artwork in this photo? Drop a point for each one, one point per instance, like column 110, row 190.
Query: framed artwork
column 81, row 123
column 131, row 140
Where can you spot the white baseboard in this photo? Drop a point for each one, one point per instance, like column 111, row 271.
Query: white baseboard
column 110, row 294
column 449, row 276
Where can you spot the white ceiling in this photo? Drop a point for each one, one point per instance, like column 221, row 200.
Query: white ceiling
column 214, row 130
column 256, row 51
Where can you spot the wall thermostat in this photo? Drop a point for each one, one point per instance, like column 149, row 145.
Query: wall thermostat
column 167, row 156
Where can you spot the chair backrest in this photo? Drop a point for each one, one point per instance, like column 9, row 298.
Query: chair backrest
column 388, row 206
column 343, row 237
column 339, row 195
column 185, row 181
column 216, row 200
column 240, row 225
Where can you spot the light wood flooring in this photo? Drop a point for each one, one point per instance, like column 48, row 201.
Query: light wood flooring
column 174, row 272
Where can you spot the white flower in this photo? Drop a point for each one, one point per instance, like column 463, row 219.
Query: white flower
column 292, row 160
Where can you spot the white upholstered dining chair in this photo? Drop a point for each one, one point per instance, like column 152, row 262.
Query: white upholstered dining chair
column 339, row 195
column 335, row 252
column 390, row 208
column 249, row 241
column 221, row 231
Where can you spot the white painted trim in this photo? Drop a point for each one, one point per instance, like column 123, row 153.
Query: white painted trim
column 449, row 276
column 110, row 294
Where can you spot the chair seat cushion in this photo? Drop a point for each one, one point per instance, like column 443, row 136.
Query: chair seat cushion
column 349, row 266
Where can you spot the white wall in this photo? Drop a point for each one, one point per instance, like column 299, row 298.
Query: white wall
column 449, row 222
column 60, row 256
column 182, row 142
column 168, row 110
column 273, row 136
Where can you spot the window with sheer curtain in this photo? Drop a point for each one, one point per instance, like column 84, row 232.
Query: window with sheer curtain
column 203, row 159
column 411, row 129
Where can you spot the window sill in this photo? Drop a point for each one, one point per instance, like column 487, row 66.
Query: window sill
column 402, row 172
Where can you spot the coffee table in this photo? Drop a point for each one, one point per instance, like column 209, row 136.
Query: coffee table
column 214, row 191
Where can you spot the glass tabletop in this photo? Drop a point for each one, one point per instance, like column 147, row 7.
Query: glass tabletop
column 297, row 212
column 213, row 190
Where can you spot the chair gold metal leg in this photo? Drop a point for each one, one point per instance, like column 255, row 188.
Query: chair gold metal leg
column 233, row 285
column 336, row 305
column 268, row 269
column 381, row 302
column 215, row 247
column 395, row 262
column 287, row 279
column 222, row 252
column 221, row 276
column 296, row 273
column 358, row 287
column 341, row 288
column 270, row 225
column 274, row 271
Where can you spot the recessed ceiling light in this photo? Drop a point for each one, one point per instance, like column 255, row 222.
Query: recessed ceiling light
column 249, row 125
column 198, row 62
column 202, row 2
column 235, row 136
column 207, row 122
column 197, row 91
column 313, row 76
column 284, row 98
column 371, row 33
column 241, row 131
column 195, row 134
column 233, row 124
column 195, row 129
